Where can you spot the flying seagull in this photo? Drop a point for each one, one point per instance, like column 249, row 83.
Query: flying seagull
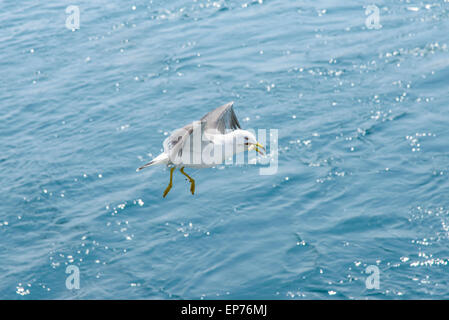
column 205, row 143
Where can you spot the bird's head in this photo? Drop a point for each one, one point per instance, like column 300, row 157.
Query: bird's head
column 248, row 141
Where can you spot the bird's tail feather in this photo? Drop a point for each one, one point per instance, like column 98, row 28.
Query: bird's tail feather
column 160, row 159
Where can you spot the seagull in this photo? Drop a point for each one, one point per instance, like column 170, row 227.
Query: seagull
column 218, row 131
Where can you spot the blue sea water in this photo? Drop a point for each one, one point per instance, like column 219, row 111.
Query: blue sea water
column 363, row 161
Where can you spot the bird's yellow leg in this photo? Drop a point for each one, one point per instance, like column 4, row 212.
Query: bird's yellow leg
column 171, row 182
column 192, row 182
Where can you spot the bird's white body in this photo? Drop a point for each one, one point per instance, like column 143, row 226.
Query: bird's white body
column 212, row 150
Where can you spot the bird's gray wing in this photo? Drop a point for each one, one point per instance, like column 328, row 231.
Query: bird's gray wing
column 221, row 119
column 217, row 121
column 174, row 143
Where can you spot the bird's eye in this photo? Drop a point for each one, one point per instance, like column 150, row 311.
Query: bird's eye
column 246, row 139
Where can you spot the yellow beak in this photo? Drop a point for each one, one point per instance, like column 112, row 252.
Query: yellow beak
column 258, row 147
